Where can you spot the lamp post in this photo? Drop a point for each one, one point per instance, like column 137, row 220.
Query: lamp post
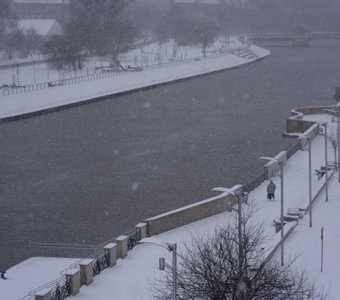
column 309, row 175
column 239, row 195
column 337, row 113
column 324, row 124
column 280, row 163
column 172, row 248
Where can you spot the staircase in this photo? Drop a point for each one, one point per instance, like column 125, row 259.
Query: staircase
column 244, row 53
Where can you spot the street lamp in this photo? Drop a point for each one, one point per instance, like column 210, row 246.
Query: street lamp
column 280, row 163
column 239, row 195
column 324, row 124
column 337, row 113
column 301, row 136
column 162, row 264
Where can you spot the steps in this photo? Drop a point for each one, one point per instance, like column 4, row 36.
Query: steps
column 244, row 53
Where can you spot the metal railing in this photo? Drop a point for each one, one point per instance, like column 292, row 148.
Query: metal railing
column 101, row 263
column 134, row 237
column 60, row 289
column 14, row 90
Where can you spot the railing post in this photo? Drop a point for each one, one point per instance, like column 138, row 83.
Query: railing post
column 44, row 294
column 74, row 277
column 86, row 272
column 112, row 253
column 141, row 227
column 122, row 246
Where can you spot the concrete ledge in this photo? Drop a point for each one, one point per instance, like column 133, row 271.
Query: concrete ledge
column 295, row 122
column 190, row 213
column 272, row 167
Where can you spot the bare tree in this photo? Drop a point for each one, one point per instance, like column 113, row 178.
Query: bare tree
column 210, row 269
column 63, row 53
column 32, row 42
column 13, row 41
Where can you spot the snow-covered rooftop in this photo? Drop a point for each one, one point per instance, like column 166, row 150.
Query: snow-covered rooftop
column 43, row 1
column 43, row 27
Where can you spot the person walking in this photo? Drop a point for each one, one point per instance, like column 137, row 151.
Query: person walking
column 271, row 190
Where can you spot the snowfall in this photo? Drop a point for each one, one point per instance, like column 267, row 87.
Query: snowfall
column 133, row 276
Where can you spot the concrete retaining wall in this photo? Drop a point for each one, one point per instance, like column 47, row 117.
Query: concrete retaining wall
column 191, row 213
column 295, row 122
column 337, row 92
column 272, row 167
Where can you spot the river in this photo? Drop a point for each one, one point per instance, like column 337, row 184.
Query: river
column 83, row 175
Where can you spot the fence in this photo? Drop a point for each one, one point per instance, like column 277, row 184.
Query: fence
column 14, row 90
column 60, row 289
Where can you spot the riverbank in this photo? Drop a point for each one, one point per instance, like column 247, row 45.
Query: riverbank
column 59, row 97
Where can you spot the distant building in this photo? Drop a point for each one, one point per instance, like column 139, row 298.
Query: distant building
column 41, row 9
column 199, row 1
column 45, row 28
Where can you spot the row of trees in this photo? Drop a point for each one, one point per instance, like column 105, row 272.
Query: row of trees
column 95, row 27
column 14, row 40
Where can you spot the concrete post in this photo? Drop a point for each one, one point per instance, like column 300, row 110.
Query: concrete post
column 141, row 227
column 74, row 277
column 337, row 92
column 86, row 272
column 122, row 246
column 44, row 294
column 112, row 253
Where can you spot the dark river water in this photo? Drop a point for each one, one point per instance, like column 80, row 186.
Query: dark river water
column 87, row 174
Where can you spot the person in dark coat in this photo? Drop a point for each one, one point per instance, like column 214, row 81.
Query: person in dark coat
column 271, row 190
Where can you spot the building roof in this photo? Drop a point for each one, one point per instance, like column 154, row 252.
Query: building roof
column 42, row 27
column 200, row 1
column 42, row 1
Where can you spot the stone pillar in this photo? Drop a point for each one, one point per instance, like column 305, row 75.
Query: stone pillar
column 122, row 246
column 111, row 249
column 74, row 277
column 337, row 92
column 141, row 227
column 86, row 272
column 44, row 294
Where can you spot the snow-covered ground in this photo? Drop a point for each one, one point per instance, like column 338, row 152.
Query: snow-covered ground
column 28, row 102
column 132, row 277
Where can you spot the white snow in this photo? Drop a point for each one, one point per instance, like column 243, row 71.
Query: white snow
column 14, row 105
column 45, row 28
